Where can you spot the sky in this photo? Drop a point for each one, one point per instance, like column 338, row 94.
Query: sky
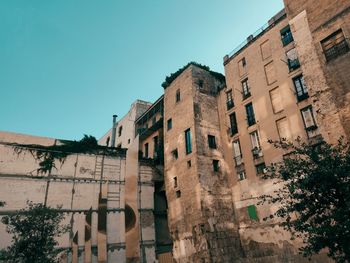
column 66, row 66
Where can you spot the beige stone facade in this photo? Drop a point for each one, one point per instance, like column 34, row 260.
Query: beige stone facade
column 195, row 159
column 123, row 232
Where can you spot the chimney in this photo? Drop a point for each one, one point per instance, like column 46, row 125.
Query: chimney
column 114, row 127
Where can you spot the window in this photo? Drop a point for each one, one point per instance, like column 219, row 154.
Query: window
column 229, row 100
column 120, row 131
column 233, row 123
column 189, row 164
column 252, row 212
column 292, row 59
column 188, row 141
column 237, row 153
column 250, row 114
column 255, row 141
column 211, row 142
column 245, row 89
column 335, row 45
column 286, row 36
column 260, row 168
column 241, row 175
column 276, row 100
column 155, row 147
column 283, row 129
column 128, row 141
column 242, row 66
column 175, row 182
column 270, row 73
column 265, row 49
column 169, row 124
column 175, row 154
column 178, row 194
column 300, row 88
column 146, row 150
column 216, row 165
column 309, row 121
column 178, row 97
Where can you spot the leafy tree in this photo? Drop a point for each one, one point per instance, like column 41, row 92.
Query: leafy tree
column 314, row 198
column 33, row 230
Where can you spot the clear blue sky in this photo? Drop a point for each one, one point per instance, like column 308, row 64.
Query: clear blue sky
column 66, row 66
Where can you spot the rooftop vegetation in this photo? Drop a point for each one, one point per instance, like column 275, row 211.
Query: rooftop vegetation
column 169, row 79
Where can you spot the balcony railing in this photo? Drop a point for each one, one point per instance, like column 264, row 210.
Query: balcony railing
column 257, row 153
column 337, row 50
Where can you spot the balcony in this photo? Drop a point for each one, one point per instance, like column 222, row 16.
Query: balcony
column 337, row 50
column 257, row 153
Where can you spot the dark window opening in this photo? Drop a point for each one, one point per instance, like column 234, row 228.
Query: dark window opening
column 178, row 193
column 189, row 164
column 245, row 89
column 233, row 124
column 178, row 97
column 286, row 36
column 229, row 100
column 216, row 166
column 120, row 131
column 260, row 168
column 155, row 147
column 250, row 114
column 175, row 154
column 146, row 150
column 211, row 142
column 300, row 88
column 175, row 182
column 242, row 175
column 188, row 141
column 169, row 124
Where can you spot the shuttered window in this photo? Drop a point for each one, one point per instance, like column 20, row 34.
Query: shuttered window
column 276, row 100
column 270, row 73
column 283, row 129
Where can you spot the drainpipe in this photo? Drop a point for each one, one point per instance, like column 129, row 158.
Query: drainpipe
column 114, row 127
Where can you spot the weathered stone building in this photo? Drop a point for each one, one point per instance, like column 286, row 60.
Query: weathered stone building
column 187, row 187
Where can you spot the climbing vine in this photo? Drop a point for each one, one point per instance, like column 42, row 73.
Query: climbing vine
column 173, row 76
column 47, row 155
